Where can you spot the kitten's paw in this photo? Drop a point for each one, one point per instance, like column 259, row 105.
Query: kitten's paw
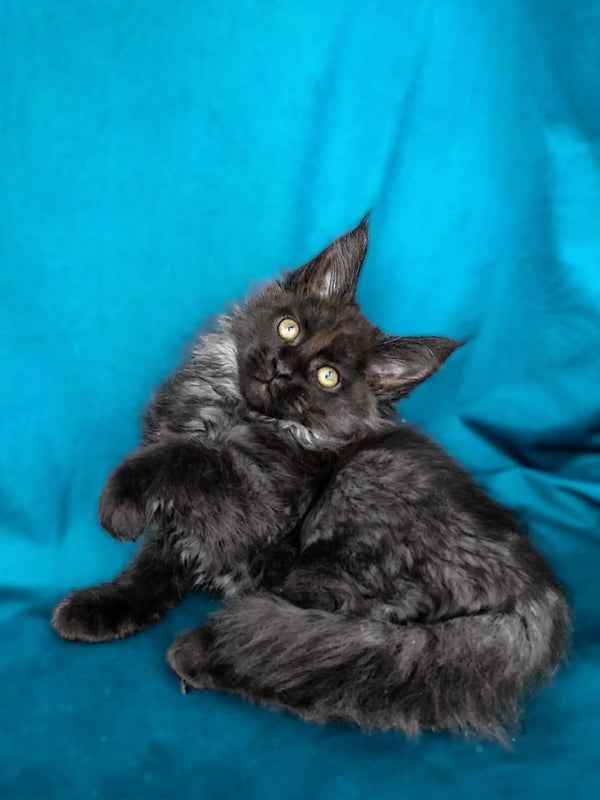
column 272, row 565
column 189, row 657
column 123, row 507
column 94, row 615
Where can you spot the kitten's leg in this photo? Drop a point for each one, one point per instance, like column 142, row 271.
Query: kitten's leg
column 271, row 566
column 310, row 588
column 155, row 581
column 161, row 478
column 126, row 504
column 311, row 578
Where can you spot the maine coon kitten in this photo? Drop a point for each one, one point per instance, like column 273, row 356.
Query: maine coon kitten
column 367, row 577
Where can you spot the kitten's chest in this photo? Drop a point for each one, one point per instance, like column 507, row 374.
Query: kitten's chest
column 278, row 484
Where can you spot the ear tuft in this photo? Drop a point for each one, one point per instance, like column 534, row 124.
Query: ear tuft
column 334, row 272
column 401, row 363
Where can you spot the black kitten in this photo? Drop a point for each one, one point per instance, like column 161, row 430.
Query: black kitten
column 369, row 579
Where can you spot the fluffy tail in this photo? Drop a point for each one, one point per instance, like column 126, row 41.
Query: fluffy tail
column 466, row 673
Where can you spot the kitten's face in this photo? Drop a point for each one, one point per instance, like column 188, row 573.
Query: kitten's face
column 307, row 355
column 304, row 360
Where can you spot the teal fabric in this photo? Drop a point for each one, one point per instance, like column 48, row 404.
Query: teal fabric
column 160, row 157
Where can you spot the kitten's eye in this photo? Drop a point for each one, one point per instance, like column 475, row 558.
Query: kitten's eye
column 288, row 329
column 328, row 377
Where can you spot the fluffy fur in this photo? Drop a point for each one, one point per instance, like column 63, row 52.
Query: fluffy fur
column 367, row 577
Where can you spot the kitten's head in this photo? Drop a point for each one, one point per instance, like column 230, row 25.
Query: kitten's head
column 307, row 355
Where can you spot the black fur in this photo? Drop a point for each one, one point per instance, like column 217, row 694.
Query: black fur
column 367, row 577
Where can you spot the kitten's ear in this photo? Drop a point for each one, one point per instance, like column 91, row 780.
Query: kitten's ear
column 402, row 362
column 334, row 272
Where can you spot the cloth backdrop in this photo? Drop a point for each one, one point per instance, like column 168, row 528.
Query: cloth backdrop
column 158, row 158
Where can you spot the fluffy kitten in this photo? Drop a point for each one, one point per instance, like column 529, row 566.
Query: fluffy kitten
column 367, row 577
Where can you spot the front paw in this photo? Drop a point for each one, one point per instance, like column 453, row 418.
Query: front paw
column 96, row 614
column 271, row 566
column 189, row 657
column 124, row 507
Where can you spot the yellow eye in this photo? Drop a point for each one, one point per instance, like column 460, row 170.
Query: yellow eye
column 328, row 377
column 288, row 329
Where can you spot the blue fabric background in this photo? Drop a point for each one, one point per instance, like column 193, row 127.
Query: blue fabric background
column 157, row 159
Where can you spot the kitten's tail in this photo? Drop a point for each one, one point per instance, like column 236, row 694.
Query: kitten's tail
column 467, row 673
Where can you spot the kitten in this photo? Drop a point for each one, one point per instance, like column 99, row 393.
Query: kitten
column 367, row 577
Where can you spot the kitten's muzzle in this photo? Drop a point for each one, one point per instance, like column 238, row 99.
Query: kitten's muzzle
column 268, row 391
column 264, row 378
column 274, row 369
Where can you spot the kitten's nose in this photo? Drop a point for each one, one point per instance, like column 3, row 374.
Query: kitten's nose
column 281, row 369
